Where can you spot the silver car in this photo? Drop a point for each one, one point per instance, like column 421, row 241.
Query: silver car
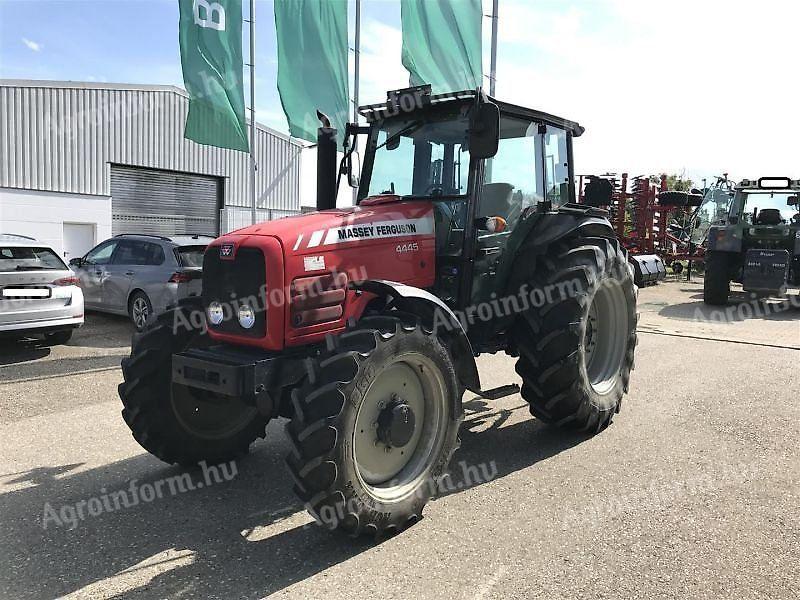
column 141, row 275
column 38, row 292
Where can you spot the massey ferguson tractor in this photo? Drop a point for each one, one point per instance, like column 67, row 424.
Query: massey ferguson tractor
column 361, row 325
column 754, row 239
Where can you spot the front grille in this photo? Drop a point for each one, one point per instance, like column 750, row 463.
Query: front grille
column 234, row 282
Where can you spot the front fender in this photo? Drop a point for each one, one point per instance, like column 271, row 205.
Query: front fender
column 436, row 315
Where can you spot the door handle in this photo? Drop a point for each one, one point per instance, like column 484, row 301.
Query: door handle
column 130, row 273
column 489, row 251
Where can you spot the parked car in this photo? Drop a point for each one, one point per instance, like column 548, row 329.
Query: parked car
column 141, row 275
column 39, row 294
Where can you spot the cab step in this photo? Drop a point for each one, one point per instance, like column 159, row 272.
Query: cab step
column 500, row 392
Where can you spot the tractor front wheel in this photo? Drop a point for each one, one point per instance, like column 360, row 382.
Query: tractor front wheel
column 576, row 349
column 374, row 426
column 716, row 282
column 176, row 423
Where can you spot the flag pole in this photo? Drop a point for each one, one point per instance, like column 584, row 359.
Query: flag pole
column 493, row 67
column 356, row 74
column 253, row 195
column 357, row 61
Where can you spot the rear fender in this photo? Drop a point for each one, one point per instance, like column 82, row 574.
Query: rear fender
column 436, row 315
column 535, row 234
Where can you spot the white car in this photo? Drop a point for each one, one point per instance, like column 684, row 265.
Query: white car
column 39, row 294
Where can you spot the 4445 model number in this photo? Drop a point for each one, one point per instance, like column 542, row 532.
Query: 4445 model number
column 412, row 247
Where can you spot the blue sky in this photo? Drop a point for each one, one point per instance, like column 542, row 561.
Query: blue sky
column 695, row 85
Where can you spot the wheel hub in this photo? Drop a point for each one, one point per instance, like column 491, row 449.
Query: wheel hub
column 396, row 423
column 399, row 425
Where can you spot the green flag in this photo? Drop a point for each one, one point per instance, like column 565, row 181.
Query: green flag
column 210, row 34
column 312, row 63
column 442, row 43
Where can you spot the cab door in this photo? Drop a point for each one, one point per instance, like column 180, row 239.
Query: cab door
column 512, row 184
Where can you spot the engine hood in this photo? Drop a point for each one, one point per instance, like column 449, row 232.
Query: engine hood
column 326, row 230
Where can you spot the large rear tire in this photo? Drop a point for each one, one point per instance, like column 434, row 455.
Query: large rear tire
column 375, row 426
column 173, row 422
column 716, row 282
column 576, row 349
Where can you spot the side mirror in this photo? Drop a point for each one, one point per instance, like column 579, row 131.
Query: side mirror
column 76, row 262
column 792, row 201
column 354, row 169
column 598, row 192
column 484, row 131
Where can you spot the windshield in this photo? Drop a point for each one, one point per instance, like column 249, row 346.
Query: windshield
column 29, row 259
column 421, row 158
column 755, row 202
column 713, row 211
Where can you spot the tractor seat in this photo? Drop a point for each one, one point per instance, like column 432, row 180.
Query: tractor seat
column 769, row 216
column 495, row 200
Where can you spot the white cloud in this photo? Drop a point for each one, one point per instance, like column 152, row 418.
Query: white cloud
column 35, row 46
column 660, row 86
column 381, row 67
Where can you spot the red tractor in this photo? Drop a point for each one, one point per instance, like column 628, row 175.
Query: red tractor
column 361, row 325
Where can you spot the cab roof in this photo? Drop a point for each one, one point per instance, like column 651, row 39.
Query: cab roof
column 390, row 109
column 769, row 184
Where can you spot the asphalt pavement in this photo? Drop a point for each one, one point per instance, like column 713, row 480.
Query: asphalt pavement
column 692, row 492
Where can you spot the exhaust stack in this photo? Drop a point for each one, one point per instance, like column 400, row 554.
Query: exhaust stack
column 326, row 164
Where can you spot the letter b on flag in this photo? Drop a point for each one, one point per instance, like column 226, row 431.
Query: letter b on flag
column 209, row 14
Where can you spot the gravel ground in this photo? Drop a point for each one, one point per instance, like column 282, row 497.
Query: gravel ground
column 694, row 491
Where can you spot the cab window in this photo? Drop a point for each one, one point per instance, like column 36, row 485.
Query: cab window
column 556, row 166
column 513, row 178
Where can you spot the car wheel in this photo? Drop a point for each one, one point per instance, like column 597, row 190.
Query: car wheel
column 140, row 308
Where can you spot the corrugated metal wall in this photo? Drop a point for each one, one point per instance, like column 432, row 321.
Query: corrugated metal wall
column 62, row 136
column 234, row 218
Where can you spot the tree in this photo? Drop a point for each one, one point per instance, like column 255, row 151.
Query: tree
column 675, row 182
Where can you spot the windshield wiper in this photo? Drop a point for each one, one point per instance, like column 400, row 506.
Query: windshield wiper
column 407, row 129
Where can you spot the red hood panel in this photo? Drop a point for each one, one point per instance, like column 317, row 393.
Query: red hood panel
column 341, row 228
column 394, row 241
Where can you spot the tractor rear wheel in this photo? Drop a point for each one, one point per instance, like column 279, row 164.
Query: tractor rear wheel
column 576, row 349
column 716, row 282
column 374, row 427
column 173, row 422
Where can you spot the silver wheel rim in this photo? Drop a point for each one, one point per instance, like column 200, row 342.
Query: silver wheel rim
column 140, row 312
column 605, row 339
column 393, row 474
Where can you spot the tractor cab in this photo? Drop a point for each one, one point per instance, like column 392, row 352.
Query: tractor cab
column 483, row 164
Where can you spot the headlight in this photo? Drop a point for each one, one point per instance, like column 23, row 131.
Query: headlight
column 215, row 313
column 247, row 317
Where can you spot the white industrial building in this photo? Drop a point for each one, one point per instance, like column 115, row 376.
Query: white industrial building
column 80, row 162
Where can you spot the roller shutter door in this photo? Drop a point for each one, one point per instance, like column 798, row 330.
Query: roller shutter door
column 164, row 202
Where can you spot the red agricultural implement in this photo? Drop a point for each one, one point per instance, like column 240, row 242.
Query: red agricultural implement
column 650, row 221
